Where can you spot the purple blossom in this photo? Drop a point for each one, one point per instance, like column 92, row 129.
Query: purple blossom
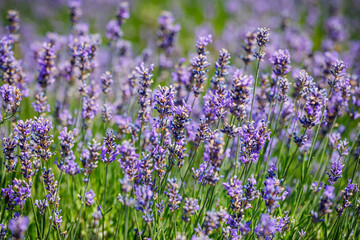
column 46, row 63
column 163, row 98
column 199, row 70
column 56, row 220
column 263, row 37
column 281, row 62
column 202, row 43
column 303, row 84
column 335, row 171
column 14, row 19
column 129, row 160
column 106, row 82
column 325, row 205
column 89, row 108
column 89, row 158
column 89, row 198
column 18, row 227
column 249, row 47
column 221, row 69
column 11, row 98
column 166, row 34
column 41, row 140
column 240, row 94
column 173, row 194
column 252, row 140
column 22, row 134
column 266, row 227
column 40, row 105
column 315, row 101
column 145, row 81
column 214, row 106
column 109, row 149
column 144, row 197
column 41, row 205
column 180, row 121
column 113, row 30
column 122, row 12
column 349, row 191
column 272, row 193
column 191, row 205
column 17, row 193
column 75, row 11
column 9, row 146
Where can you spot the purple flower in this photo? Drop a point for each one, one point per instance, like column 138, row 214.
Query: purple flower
column 349, row 191
column 214, row 106
column 202, row 43
column 18, row 227
column 41, row 140
column 213, row 221
column 89, row 108
column 304, row 82
column 163, row 98
column 214, row 150
column 325, row 205
column 252, row 140
column 206, row 174
column 144, row 197
column 240, row 94
column 56, row 220
column 113, row 30
column 272, row 193
column 109, row 149
column 122, row 12
column 67, row 161
column 9, row 146
column 89, row 198
column 266, row 227
column 234, row 187
column 17, row 193
column 199, row 70
column 41, row 205
column 281, row 62
column 173, row 194
column 22, row 134
column 315, row 101
column 129, row 160
column 40, row 105
column 14, row 19
column 75, row 11
column 2, row 231
column 190, row 206
column 249, row 47
column 221, row 69
column 107, row 112
column 263, row 36
column 167, row 32
column 145, row 81
column 106, row 82
column 46, row 63
column 11, row 98
column 335, row 171
column 51, row 187
column 283, row 90
column 89, row 158
column 180, row 121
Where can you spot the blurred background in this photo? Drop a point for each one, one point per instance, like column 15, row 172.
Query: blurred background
column 309, row 24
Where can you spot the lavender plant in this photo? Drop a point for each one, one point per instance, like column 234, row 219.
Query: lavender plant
column 192, row 120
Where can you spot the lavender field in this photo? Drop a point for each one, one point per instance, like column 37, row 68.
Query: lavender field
column 192, row 119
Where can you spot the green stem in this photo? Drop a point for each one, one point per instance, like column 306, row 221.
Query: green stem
column 103, row 223
column 255, row 83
